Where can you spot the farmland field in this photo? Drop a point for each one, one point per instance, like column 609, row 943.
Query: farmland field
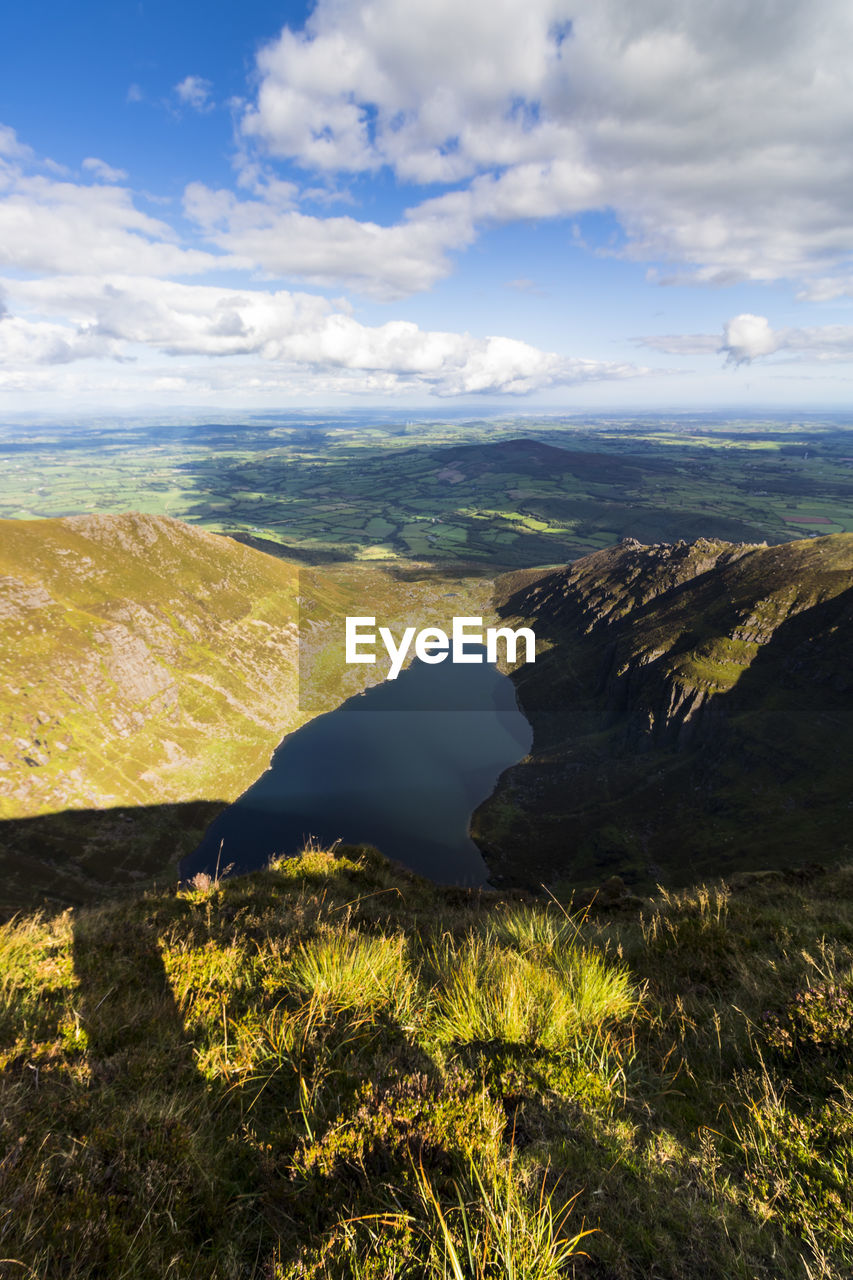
column 496, row 493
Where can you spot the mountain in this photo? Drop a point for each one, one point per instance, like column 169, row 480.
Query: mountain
column 692, row 707
column 148, row 671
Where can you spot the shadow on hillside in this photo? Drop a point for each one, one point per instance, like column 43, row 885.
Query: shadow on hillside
column 80, row 856
column 152, row 1120
column 206, row 1166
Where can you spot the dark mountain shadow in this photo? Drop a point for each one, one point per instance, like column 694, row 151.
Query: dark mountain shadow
column 285, row 551
column 83, row 855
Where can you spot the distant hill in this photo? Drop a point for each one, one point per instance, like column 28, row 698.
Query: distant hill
column 593, row 495
column 692, row 711
column 533, row 457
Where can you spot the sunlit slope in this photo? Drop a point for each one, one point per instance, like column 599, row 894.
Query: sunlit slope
column 142, row 661
column 147, row 662
column 693, row 712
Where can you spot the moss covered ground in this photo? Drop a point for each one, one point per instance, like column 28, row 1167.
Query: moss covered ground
column 335, row 1069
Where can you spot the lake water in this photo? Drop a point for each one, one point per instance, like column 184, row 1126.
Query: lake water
column 401, row 766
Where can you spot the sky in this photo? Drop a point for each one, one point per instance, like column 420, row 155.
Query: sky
column 621, row 205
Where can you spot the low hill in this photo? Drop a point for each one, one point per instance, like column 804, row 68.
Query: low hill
column 148, row 669
column 333, row 1069
column 692, row 711
column 535, row 458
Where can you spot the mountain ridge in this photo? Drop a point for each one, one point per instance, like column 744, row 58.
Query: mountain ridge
column 682, row 691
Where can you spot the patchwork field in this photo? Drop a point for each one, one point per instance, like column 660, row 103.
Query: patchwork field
column 504, row 493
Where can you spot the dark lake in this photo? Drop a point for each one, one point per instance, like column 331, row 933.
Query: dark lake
column 401, row 766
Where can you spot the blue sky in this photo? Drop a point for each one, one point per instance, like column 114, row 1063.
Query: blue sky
column 612, row 204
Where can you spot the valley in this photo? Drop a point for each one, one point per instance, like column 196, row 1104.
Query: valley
column 331, row 1062
column 688, row 704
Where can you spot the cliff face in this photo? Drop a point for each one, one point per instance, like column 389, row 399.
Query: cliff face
column 691, row 711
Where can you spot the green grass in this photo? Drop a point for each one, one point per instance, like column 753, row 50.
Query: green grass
column 554, row 997
column 335, row 1069
column 341, row 973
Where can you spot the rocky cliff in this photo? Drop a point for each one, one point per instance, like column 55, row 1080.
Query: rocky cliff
column 692, row 711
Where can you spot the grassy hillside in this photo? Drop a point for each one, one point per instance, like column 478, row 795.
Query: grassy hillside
column 147, row 663
column 692, row 708
column 334, row 1069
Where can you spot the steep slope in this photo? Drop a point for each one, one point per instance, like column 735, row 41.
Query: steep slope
column 127, row 641
column 149, row 665
column 692, row 712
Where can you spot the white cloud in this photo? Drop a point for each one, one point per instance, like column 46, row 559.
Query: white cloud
column 104, row 294
column 11, row 147
column 102, row 171
column 719, row 134
column 746, row 337
column 383, row 261
column 299, row 332
column 49, row 225
column 749, row 337
column 24, row 343
column 194, row 92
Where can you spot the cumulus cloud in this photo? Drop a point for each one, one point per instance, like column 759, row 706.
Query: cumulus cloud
column 383, row 261
column 294, row 330
column 27, row 344
column 749, row 337
column 105, row 294
column 49, row 225
column 194, row 92
column 102, row 171
column 746, row 337
column 718, row 134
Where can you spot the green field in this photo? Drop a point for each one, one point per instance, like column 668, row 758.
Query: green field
column 476, row 492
